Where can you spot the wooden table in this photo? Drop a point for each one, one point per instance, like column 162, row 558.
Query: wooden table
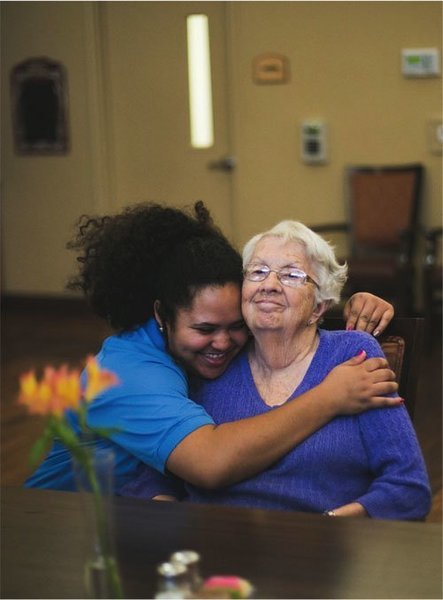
column 285, row 555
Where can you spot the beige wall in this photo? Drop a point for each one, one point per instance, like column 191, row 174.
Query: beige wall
column 43, row 196
column 345, row 68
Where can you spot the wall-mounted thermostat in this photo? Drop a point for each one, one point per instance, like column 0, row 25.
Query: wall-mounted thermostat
column 313, row 142
column 420, row 62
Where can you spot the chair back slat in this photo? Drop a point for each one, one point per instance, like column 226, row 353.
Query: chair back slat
column 402, row 343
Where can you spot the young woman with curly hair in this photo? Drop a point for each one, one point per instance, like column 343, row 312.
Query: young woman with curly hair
column 169, row 284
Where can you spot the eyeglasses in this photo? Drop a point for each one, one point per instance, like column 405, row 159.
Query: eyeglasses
column 289, row 276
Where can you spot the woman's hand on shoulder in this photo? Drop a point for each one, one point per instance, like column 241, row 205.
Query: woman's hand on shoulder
column 367, row 312
column 361, row 383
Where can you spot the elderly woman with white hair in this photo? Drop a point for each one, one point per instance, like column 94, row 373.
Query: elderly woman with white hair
column 368, row 464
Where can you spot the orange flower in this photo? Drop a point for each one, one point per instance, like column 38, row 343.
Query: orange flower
column 98, row 379
column 53, row 394
column 59, row 390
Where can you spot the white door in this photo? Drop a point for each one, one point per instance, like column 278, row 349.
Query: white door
column 145, row 85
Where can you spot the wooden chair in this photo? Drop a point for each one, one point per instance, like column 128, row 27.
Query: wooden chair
column 382, row 228
column 402, row 343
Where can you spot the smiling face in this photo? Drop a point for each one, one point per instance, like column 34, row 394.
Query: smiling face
column 270, row 305
column 207, row 335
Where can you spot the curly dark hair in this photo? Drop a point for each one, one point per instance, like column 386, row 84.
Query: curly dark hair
column 150, row 252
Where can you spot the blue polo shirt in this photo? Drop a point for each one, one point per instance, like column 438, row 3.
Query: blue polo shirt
column 149, row 409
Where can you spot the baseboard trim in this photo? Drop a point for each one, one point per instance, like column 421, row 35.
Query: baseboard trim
column 44, row 304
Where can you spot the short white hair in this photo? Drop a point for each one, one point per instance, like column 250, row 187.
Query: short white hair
column 329, row 274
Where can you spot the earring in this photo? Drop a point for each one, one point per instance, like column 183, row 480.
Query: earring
column 161, row 328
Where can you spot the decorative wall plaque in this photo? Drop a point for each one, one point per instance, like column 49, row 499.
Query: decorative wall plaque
column 270, row 68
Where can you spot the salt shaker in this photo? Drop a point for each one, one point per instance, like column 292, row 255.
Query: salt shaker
column 191, row 560
column 173, row 581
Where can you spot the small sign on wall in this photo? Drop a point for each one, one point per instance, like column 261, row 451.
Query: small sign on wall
column 270, row 68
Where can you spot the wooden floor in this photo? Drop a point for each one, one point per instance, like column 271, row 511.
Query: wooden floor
column 37, row 334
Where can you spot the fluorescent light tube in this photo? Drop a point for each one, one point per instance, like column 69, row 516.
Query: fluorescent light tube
column 199, row 76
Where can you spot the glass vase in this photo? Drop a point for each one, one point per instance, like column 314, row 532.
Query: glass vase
column 94, row 473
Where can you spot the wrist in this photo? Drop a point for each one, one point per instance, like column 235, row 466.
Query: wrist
column 328, row 400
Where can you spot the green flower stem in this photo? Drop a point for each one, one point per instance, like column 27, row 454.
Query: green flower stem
column 102, row 531
column 58, row 427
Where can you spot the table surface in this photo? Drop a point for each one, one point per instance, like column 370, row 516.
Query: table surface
column 285, row 555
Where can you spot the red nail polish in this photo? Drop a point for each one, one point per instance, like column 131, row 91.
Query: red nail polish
column 350, row 328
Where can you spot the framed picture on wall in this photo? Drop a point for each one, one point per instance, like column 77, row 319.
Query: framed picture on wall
column 39, row 107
